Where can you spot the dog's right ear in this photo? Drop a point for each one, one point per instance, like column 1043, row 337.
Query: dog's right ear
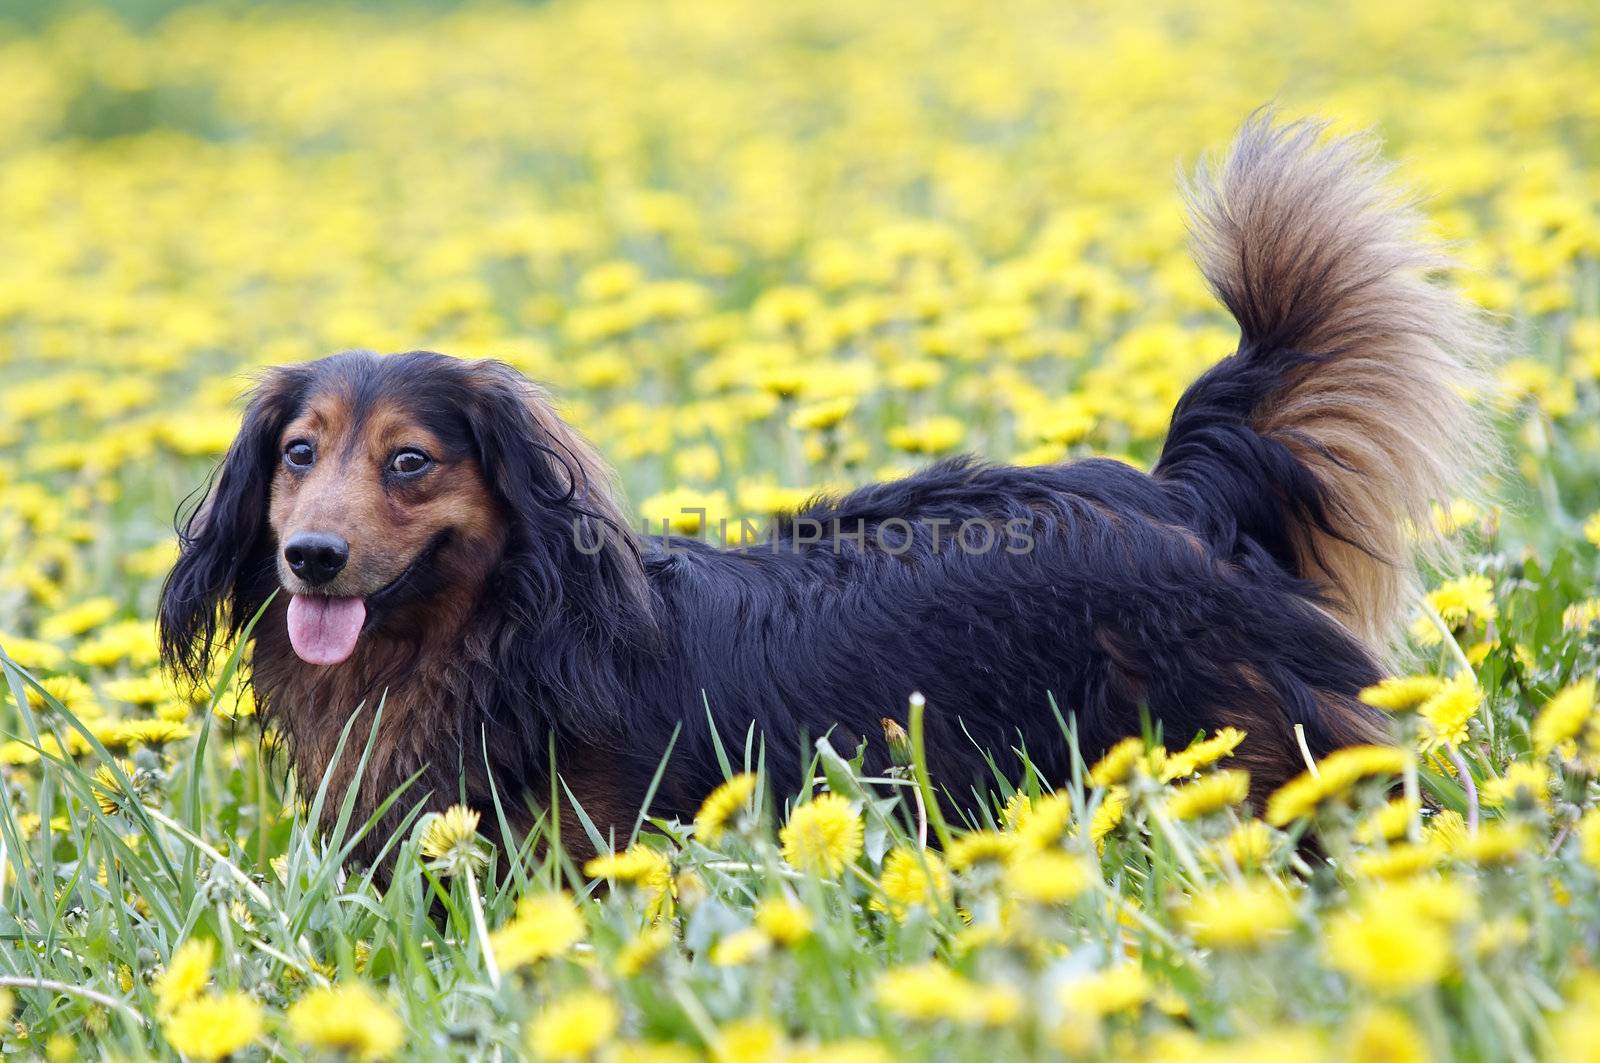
column 224, row 569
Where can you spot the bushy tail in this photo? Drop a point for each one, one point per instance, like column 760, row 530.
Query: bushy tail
column 1343, row 414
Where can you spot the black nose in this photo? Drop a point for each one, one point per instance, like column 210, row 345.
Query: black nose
column 316, row 557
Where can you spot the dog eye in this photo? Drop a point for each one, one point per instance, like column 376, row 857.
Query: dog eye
column 299, row 453
column 409, row 462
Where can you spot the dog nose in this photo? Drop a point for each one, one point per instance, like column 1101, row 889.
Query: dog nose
column 316, row 557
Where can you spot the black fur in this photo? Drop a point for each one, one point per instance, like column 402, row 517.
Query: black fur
column 1174, row 591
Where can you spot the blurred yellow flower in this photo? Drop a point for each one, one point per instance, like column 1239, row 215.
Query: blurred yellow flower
column 1239, row 916
column 573, row 1027
column 740, row 947
column 1564, row 716
column 1202, row 753
column 1402, row 693
column 638, row 865
column 1124, row 987
column 212, row 1027
column 186, row 974
column 545, row 925
column 1208, row 794
column 932, row 991
column 784, row 921
column 721, row 805
column 348, row 1019
column 1386, row 950
column 1049, row 877
column 1385, row 1035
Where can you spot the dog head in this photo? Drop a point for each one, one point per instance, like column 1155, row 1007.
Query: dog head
column 379, row 493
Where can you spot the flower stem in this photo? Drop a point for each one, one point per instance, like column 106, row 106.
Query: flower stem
column 482, row 931
column 919, row 764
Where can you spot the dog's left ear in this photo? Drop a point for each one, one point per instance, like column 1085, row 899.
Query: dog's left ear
column 224, row 569
column 570, row 542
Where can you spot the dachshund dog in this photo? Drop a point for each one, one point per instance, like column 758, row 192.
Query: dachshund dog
column 442, row 545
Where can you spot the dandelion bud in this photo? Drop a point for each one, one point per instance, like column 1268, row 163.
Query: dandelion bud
column 899, row 743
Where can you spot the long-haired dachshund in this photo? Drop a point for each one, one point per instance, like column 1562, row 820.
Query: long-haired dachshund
column 446, row 546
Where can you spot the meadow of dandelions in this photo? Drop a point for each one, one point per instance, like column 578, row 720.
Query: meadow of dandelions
column 761, row 250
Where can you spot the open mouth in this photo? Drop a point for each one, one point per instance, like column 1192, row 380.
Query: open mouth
column 324, row 629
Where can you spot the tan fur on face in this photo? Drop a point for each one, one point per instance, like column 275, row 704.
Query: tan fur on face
column 418, row 669
column 344, row 493
column 1312, row 250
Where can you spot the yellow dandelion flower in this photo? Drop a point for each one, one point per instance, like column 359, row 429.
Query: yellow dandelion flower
column 1589, row 838
column 1249, row 845
column 1402, row 693
column 1202, row 754
column 186, row 974
column 1016, row 807
column 1449, row 710
column 651, row 1052
column 1497, row 842
column 852, row 1051
column 1208, row 794
column 1564, row 717
column 1239, row 915
column 1504, row 934
column 784, row 921
column 1118, row 763
column 1386, row 950
column 740, row 947
column 823, row 835
column 934, row 435
column 1388, row 822
column 450, row 840
column 348, row 1019
column 1522, row 782
column 1398, row 861
column 1124, row 987
column 642, row 950
column 1335, row 775
column 1460, row 513
column 1447, row 828
column 545, row 925
column 721, row 805
column 638, row 865
column 212, row 1027
column 1039, row 823
column 574, row 1027
column 1458, row 600
column 1575, row 1030
column 77, row 619
column 1049, row 877
column 931, row 991
column 108, row 792
column 36, row 655
column 1385, row 1035
column 911, row 880
column 750, row 1041
column 72, row 692
column 1579, row 616
column 154, row 733
column 1108, row 814
column 822, row 414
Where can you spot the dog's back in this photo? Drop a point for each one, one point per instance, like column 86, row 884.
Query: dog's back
column 1254, row 579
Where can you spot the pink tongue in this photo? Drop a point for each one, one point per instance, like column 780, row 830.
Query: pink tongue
column 324, row 630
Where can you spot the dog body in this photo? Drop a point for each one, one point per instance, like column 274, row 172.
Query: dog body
column 452, row 550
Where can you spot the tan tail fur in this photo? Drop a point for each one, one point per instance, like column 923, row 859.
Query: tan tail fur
column 1313, row 250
